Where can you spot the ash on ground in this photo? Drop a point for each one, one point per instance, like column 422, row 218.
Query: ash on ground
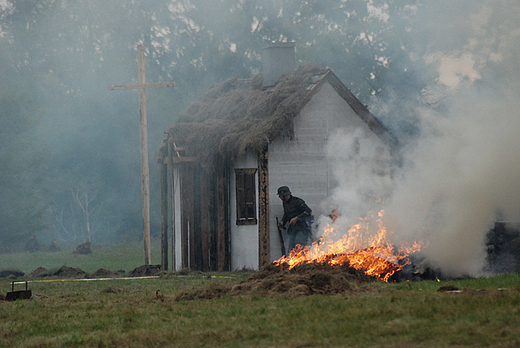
column 272, row 280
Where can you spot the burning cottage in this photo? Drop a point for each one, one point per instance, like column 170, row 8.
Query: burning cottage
column 227, row 154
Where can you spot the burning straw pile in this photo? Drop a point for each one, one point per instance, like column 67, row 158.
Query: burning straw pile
column 333, row 265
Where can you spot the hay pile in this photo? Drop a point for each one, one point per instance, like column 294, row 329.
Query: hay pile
column 236, row 116
column 272, row 280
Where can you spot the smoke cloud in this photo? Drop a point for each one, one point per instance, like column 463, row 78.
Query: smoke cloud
column 461, row 173
column 459, row 179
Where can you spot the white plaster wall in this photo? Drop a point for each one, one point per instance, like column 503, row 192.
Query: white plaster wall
column 303, row 164
column 244, row 238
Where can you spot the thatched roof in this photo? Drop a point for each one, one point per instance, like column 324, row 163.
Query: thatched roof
column 237, row 116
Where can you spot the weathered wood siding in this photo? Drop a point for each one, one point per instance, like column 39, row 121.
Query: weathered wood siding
column 201, row 217
column 264, row 243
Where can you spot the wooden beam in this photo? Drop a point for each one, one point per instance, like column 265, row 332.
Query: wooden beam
column 222, row 199
column 264, row 254
column 145, row 171
column 185, row 179
column 141, row 85
column 143, row 136
column 212, row 201
column 205, row 208
column 172, row 208
column 195, row 233
column 164, row 217
column 175, row 160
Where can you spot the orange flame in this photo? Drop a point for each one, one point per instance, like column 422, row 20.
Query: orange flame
column 362, row 247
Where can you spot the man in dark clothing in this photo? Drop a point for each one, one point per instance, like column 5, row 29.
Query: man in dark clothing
column 298, row 215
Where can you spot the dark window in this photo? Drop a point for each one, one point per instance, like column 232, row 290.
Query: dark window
column 246, row 196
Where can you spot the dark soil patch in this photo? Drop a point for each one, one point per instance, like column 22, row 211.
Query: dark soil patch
column 11, row 273
column 112, row 290
column 69, row 272
column 273, row 280
column 40, row 272
column 445, row 288
column 104, row 273
column 146, row 270
column 63, row 272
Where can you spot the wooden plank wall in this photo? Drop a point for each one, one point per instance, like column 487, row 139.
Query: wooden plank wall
column 164, row 217
column 206, row 207
column 195, row 232
column 205, row 237
column 222, row 222
column 212, row 223
column 173, row 207
column 186, row 188
column 264, row 254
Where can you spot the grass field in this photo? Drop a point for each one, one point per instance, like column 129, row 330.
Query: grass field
column 111, row 257
column 127, row 313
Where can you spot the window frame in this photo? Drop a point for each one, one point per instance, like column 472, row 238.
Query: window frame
column 245, row 196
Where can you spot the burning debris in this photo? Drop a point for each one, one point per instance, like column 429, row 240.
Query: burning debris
column 332, row 265
column 362, row 247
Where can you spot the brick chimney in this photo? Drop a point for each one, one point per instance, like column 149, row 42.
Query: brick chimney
column 278, row 59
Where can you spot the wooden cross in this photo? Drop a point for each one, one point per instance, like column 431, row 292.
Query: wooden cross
column 143, row 132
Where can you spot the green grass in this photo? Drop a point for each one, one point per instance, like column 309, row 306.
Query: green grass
column 127, row 313
column 111, row 257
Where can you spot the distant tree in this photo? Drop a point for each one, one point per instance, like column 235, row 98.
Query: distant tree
column 21, row 158
column 63, row 55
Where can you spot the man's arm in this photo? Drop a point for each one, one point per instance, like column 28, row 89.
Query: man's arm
column 306, row 212
column 284, row 219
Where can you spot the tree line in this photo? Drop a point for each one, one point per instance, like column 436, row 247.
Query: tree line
column 69, row 147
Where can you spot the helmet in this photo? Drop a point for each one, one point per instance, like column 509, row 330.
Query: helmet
column 284, row 191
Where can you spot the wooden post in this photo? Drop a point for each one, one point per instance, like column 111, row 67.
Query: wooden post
column 205, row 208
column 222, row 199
column 264, row 254
column 143, row 136
column 145, row 172
column 164, row 217
column 186, row 212
column 172, row 206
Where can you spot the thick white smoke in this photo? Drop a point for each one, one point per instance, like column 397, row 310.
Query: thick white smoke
column 464, row 171
column 460, row 179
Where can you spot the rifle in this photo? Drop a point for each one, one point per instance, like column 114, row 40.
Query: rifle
column 281, row 236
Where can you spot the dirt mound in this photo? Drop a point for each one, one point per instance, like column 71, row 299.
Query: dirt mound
column 103, row 273
column 11, row 273
column 40, row 272
column 272, row 280
column 146, row 270
column 63, row 272
column 69, row 272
